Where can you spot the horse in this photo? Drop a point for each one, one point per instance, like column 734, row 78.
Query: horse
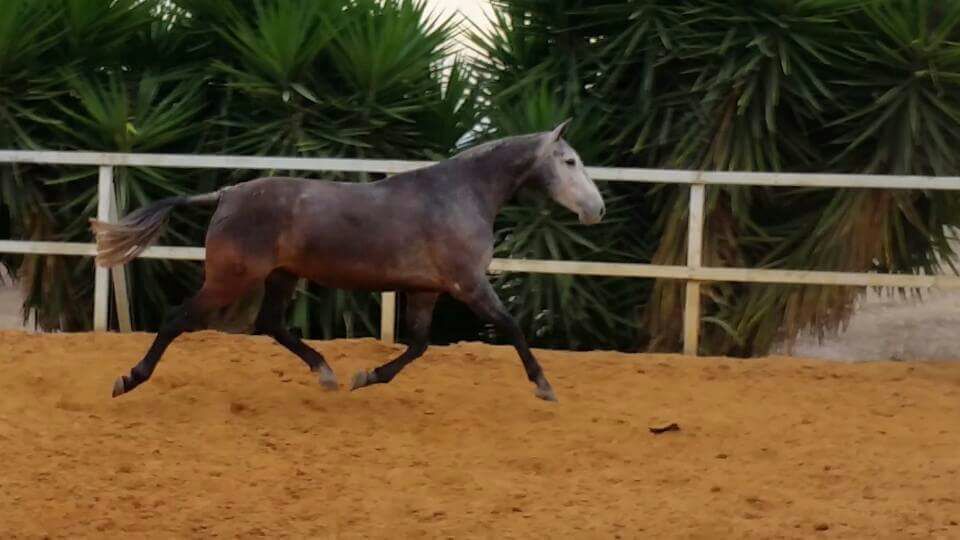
column 424, row 233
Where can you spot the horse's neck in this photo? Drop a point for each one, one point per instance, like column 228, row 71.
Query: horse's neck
column 496, row 177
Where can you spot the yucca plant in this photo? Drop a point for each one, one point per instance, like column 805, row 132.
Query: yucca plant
column 896, row 108
column 281, row 77
column 852, row 74
column 798, row 85
column 138, row 108
column 754, row 87
column 149, row 113
column 359, row 78
column 535, row 70
column 49, row 42
column 121, row 79
column 821, row 85
column 29, row 32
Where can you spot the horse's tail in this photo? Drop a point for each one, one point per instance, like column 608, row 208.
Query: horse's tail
column 119, row 243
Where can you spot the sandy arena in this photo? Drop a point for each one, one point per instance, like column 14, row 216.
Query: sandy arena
column 233, row 437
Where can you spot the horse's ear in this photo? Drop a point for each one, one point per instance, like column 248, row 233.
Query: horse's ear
column 558, row 131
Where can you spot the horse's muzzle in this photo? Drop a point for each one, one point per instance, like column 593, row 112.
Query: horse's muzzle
column 592, row 214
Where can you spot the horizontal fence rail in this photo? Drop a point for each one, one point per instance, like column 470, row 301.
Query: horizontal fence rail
column 693, row 273
column 390, row 166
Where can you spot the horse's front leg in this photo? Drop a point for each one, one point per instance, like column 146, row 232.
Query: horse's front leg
column 483, row 300
column 419, row 315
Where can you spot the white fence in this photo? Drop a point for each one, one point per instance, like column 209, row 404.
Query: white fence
column 694, row 273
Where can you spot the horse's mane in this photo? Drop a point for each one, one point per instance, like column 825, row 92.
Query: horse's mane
column 492, row 146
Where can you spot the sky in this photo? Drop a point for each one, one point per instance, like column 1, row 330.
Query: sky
column 474, row 10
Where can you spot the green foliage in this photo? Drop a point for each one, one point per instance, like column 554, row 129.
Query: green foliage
column 762, row 85
column 770, row 85
column 531, row 78
column 27, row 37
column 353, row 78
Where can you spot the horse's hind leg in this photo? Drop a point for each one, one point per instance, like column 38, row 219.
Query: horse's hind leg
column 191, row 317
column 483, row 300
column 279, row 289
column 419, row 314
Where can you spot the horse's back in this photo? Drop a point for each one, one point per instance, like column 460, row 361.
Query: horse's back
column 371, row 236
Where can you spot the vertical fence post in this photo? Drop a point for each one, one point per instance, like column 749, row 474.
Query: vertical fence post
column 388, row 317
column 101, row 284
column 691, row 311
column 121, row 288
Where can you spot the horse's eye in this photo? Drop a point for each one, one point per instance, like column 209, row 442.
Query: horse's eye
column 571, row 162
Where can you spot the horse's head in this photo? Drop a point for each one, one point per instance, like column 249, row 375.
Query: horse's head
column 560, row 170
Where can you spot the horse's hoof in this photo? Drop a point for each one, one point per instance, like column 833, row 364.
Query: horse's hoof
column 328, row 380
column 546, row 394
column 361, row 378
column 544, row 390
column 329, row 383
column 119, row 387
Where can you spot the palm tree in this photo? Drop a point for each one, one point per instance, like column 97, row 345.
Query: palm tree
column 535, row 67
column 56, row 52
column 829, row 85
column 356, row 78
column 351, row 79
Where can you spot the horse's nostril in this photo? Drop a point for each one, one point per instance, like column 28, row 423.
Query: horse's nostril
column 603, row 211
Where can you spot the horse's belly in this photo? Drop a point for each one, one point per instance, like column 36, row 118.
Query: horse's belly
column 364, row 264
column 365, row 278
column 362, row 282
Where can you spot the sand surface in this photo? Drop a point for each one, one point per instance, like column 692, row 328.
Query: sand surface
column 233, row 437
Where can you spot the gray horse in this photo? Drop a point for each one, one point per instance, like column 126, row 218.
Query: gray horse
column 424, row 232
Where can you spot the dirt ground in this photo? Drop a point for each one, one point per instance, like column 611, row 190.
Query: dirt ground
column 234, row 438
